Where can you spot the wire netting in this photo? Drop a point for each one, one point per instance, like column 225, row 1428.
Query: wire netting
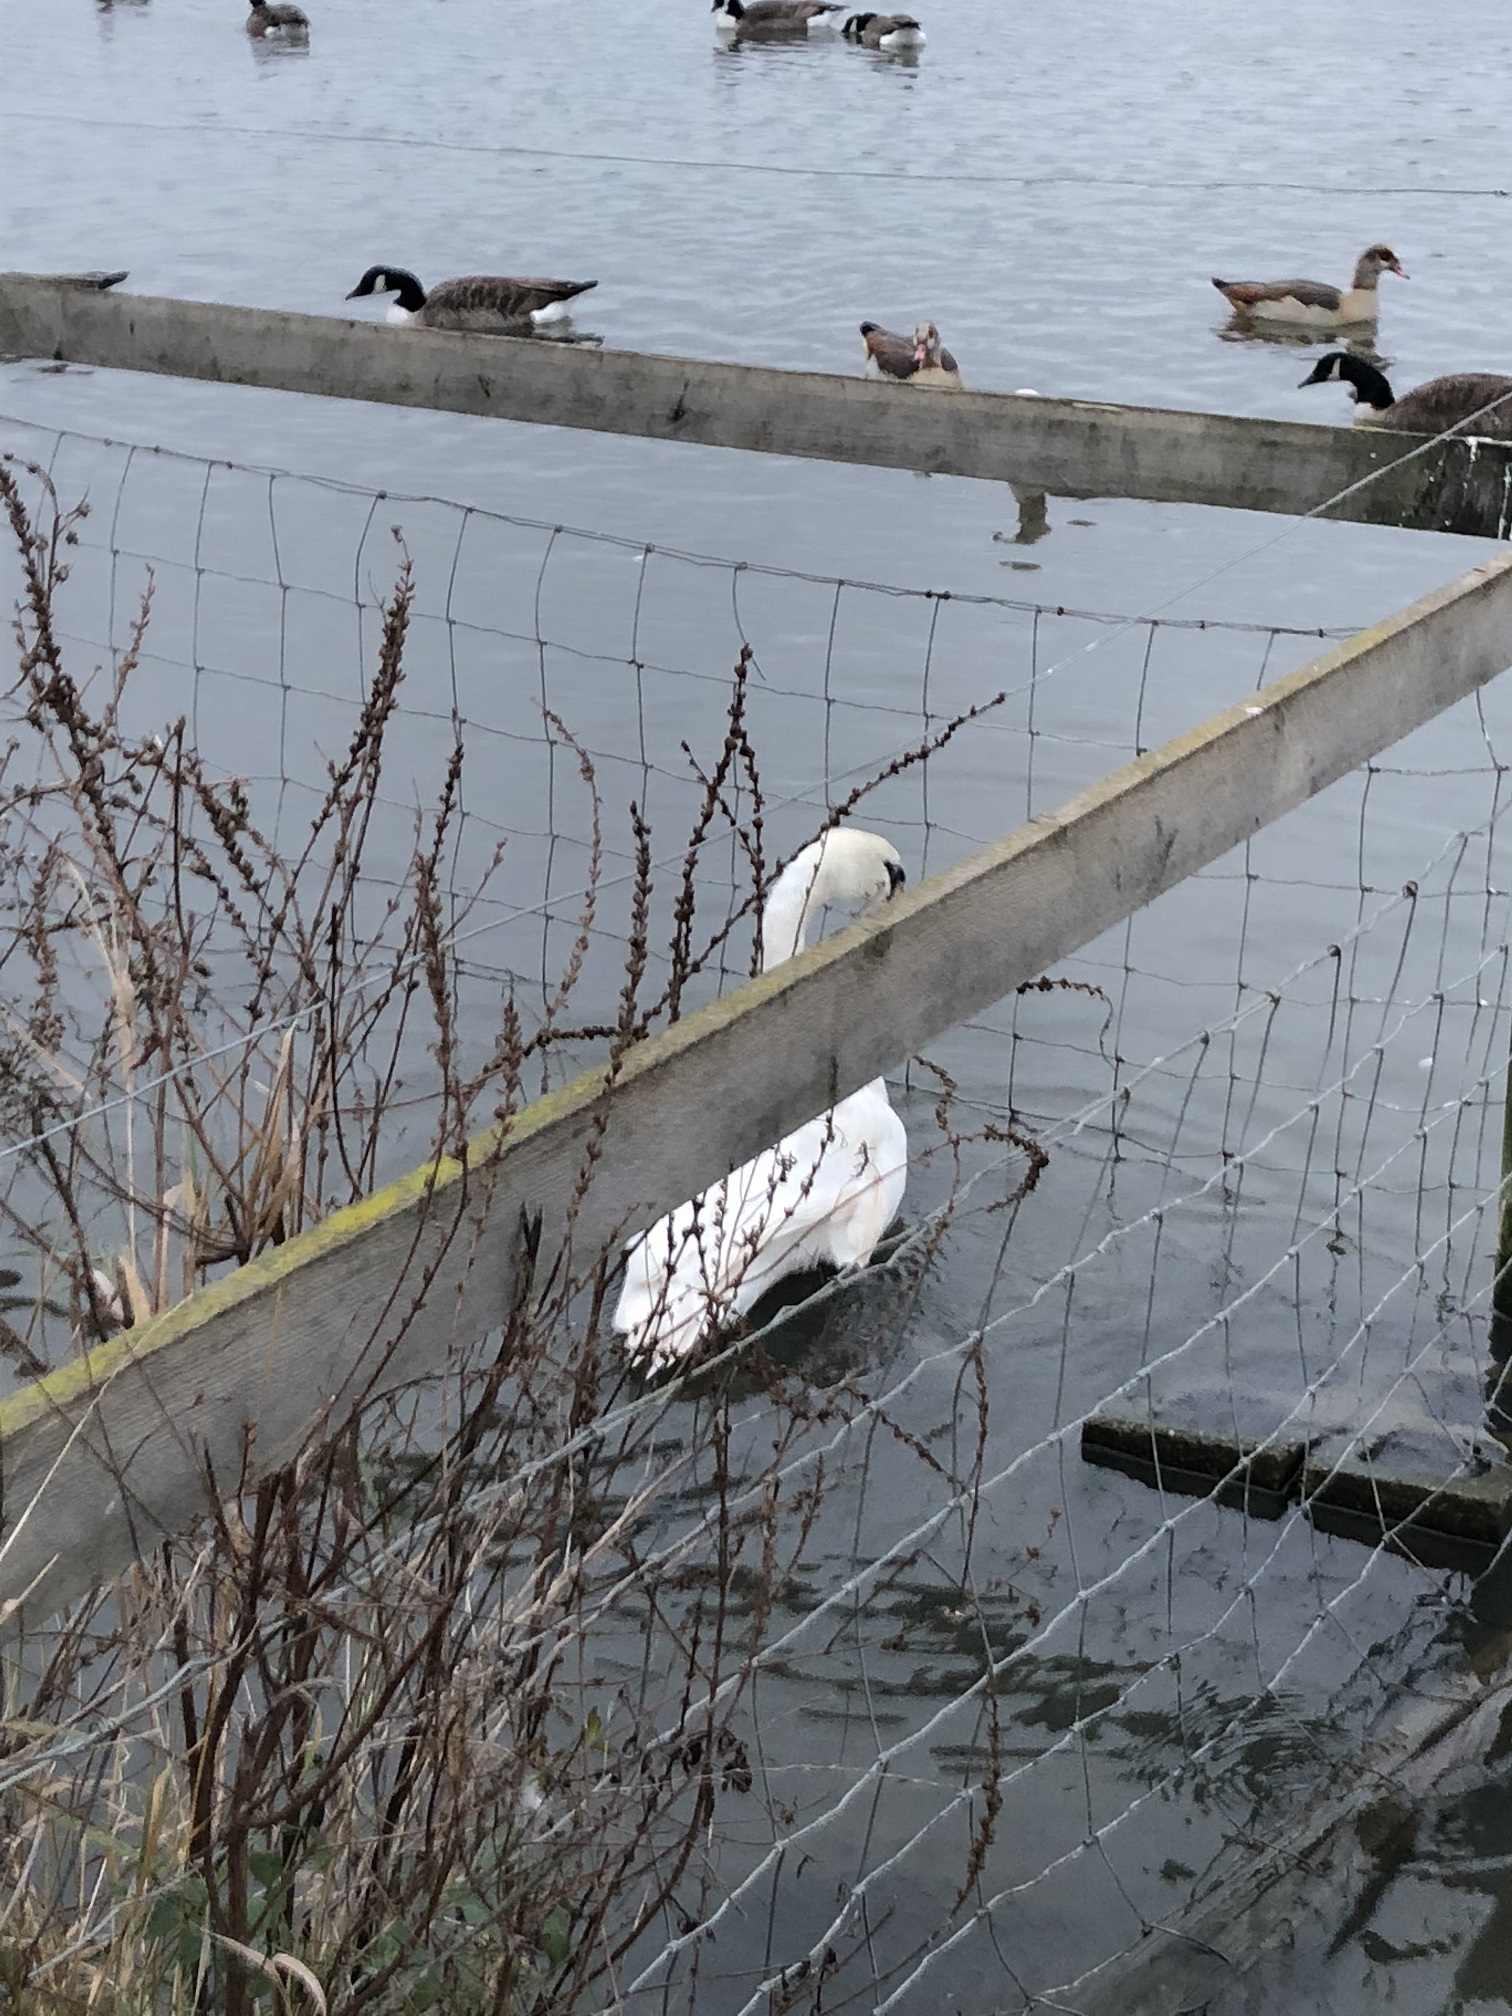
column 985, row 1715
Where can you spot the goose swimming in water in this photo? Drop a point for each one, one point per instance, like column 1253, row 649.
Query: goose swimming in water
column 484, row 301
column 773, row 20
column 270, row 18
column 1314, row 302
column 1428, row 409
column 918, row 360
column 824, row 1196
column 884, row 31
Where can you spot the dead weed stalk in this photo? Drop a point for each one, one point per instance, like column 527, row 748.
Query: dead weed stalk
column 449, row 1712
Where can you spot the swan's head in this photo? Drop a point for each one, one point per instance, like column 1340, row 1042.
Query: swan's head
column 844, row 868
column 926, row 346
column 849, row 867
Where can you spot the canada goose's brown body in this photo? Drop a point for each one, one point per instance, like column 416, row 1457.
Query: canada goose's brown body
column 884, row 31
column 773, row 20
column 1314, row 302
column 1431, row 408
column 271, row 17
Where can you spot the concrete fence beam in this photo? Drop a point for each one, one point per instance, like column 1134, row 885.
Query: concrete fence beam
column 1067, row 447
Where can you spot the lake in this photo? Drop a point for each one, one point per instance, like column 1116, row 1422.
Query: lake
column 1278, row 1089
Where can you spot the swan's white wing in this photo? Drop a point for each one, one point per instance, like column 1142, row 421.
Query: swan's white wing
column 825, row 1194
column 876, row 1189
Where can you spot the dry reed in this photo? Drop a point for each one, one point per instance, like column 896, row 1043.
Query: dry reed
column 450, row 1712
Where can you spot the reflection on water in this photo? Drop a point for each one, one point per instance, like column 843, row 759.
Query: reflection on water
column 277, row 48
column 1033, row 518
column 1358, row 338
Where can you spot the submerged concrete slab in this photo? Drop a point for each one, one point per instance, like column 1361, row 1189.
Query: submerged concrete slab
column 1443, row 1497
column 1204, row 1443
column 1441, row 1494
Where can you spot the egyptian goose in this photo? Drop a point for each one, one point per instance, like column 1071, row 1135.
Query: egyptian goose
column 1429, row 409
column 822, row 1197
column 920, row 360
column 1312, row 302
column 483, row 301
column 884, row 31
column 772, row 20
column 269, row 18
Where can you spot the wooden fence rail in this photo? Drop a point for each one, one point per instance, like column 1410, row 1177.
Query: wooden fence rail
column 1066, row 447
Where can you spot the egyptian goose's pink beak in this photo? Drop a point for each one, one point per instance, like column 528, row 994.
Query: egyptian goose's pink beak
column 921, row 353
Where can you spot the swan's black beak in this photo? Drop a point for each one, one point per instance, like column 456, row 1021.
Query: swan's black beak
column 895, row 877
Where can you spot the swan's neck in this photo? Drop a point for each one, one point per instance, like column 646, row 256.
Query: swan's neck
column 786, row 918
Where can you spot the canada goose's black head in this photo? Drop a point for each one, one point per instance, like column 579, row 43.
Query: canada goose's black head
column 390, row 280
column 733, row 10
column 857, row 26
column 1366, row 384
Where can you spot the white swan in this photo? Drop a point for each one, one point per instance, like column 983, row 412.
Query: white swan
column 823, row 1196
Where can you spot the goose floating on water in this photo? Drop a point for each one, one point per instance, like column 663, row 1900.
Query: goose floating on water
column 920, row 360
column 1428, row 409
column 823, row 1196
column 1313, row 301
column 884, row 31
column 273, row 18
column 773, row 20
column 485, row 301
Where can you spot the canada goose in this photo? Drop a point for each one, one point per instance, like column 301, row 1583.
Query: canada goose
column 1428, row 409
column 918, row 360
column 772, row 20
column 884, row 31
column 1311, row 301
column 823, row 1196
column 268, row 17
column 482, row 301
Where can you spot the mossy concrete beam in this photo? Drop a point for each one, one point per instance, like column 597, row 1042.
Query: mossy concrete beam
column 1068, row 447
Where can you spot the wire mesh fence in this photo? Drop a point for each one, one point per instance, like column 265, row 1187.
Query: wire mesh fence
column 827, row 1675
